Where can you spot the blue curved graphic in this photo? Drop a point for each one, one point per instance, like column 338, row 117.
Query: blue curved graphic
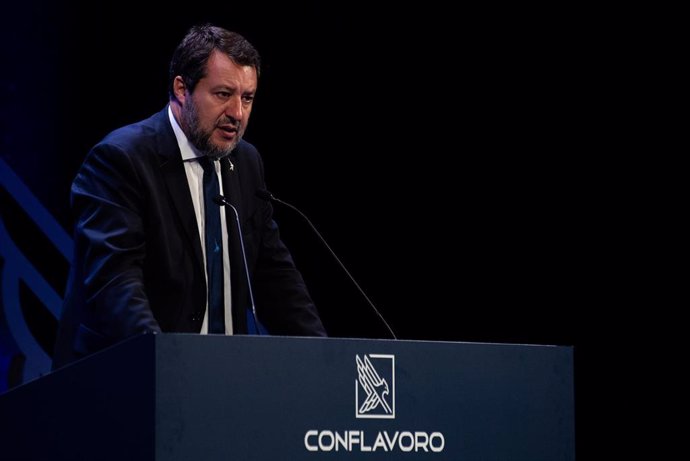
column 18, row 268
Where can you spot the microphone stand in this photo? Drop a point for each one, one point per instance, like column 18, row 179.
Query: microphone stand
column 220, row 200
column 266, row 195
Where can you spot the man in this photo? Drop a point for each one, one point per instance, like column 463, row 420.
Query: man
column 141, row 262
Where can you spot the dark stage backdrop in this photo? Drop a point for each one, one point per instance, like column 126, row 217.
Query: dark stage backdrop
column 440, row 152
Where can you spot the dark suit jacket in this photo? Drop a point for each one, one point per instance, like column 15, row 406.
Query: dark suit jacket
column 138, row 265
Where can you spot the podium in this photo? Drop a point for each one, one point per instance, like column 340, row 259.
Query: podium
column 184, row 397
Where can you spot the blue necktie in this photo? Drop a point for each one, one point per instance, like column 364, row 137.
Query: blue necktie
column 214, row 248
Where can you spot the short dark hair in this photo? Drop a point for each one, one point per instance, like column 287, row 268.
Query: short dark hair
column 190, row 58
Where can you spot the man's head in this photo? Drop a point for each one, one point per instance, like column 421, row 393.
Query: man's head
column 213, row 80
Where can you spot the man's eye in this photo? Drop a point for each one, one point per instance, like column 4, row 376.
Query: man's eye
column 248, row 98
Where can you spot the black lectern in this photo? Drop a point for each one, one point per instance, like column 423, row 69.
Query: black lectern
column 178, row 397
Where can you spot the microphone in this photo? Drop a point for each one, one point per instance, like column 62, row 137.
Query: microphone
column 221, row 201
column 266, row 195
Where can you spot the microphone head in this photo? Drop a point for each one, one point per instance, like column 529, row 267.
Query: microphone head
column 219, row 200
column 264, row 194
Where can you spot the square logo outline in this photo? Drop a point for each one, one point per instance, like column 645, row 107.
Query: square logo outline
column 368, row 373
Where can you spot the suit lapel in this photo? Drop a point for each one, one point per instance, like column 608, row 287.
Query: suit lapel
column 231, row 184
column 240, row 295
column 175, row 178
column 176, row 181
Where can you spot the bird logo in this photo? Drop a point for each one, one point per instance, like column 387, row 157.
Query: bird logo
column 377, row 390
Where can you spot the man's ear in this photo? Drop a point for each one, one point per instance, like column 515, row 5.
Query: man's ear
column 179, row 89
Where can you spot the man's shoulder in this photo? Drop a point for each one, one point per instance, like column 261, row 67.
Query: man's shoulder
column 246, row 154
column 139, row 134
column 245, row 147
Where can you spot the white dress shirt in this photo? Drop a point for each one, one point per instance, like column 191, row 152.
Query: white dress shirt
column 195, row 174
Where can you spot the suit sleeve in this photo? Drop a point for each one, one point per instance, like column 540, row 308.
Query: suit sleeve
column 109, row 237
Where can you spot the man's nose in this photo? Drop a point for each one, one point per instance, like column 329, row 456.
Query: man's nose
column 234, row 109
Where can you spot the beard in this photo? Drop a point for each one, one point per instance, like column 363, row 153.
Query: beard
column 201, row 138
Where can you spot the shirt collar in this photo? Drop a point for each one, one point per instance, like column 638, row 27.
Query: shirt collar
column 188, row 151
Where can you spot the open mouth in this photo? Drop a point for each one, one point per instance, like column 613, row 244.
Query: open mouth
column 228, row 132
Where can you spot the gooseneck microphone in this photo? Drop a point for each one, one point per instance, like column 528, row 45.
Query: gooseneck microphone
column 266, row 195
column 221, row 201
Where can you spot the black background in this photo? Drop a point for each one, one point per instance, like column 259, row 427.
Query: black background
column 452, row 157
